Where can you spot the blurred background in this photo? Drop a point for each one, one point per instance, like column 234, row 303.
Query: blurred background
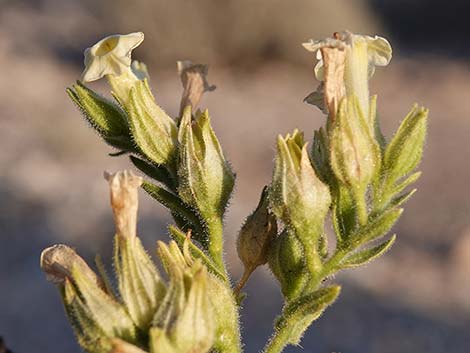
column 415, row 299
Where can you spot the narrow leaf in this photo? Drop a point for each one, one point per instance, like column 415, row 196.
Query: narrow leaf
column 405, row 150
column 174, row 204
column 364, row 256
column 154, row 171
column 299, row 314
column 376, row 227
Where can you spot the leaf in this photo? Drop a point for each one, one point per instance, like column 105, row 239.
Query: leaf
column 364, row 256
column 299, row 314
column 174, row 204
column 408, row 181
column 376, row 227
column 154, row 171
column 405, row 150
column 400, row 200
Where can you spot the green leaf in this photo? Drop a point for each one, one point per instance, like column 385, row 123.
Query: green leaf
column 405, row 150
column 174, row 204
column 400, row 200
column 299, row 314
column 154, row 171
column 408, row 181
column 364, row 256
column 376, row 227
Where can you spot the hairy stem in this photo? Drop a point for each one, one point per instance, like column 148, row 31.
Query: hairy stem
column 215, row 229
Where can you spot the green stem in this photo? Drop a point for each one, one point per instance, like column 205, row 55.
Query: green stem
column 215, row 229
column 282, row 336
column 279, row 340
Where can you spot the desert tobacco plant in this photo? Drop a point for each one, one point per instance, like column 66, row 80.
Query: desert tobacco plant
column 349, row 174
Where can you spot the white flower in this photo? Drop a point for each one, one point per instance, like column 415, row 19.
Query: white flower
column 110, row 56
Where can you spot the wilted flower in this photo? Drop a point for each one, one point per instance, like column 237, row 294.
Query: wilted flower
column 194, row 80
column 124, row 201
column 346, row 62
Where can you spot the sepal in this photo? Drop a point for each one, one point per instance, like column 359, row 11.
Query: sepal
column 205, row 177
column 153, row 131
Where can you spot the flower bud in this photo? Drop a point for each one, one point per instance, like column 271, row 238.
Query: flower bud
column 185, row 321
column 205, row 177
column 256, row 235
column 220, row 296
column 286, row 260
column 298, row 197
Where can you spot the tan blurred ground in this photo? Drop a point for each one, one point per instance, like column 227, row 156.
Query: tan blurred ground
column 51, row 189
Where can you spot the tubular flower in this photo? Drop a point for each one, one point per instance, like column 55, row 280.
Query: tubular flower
column 110, row 56
column 345, row 64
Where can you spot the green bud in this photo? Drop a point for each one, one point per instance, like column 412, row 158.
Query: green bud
column 153, row 131
column 256, row 235
column 354, row 154
column 222, row 303
column 106, row 117
column 184, row 322
column 205, row 177
column 298, row 197
column 405, row 150
column 286, row 258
